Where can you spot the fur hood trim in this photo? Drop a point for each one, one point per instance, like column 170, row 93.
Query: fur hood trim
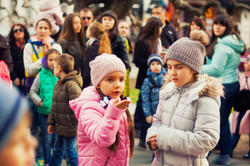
column 213, row 86
column 204, row 86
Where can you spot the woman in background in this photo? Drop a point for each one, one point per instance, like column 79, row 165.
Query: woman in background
column 97, row 44
column 72, row 39
column 223, row 58
column 195, row 24
column 148, row 43
column 18, row 37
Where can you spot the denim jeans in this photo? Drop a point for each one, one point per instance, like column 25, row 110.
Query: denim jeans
column 35, row 129
column 46, row 137
column 67, row 145
column 236, row 135
column 231, row 90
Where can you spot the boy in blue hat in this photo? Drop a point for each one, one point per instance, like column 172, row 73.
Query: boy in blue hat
column 150, row 92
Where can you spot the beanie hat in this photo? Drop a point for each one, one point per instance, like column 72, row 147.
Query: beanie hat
column 189, row 51
column 154, row 57
column 12, row 109
column 103, row 65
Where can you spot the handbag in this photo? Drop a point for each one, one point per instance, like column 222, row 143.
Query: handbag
column 242, row 101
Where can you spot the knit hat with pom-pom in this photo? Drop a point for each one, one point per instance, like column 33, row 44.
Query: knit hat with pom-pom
column 189, row 51
column 103, row 65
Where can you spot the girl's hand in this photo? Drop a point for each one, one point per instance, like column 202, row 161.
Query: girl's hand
column 47, row 45
column 50, row 129
column 122, row 104
column 16, row 82
column 149, row 119
column 40, row 103
column 22, row 82
column 152, row 142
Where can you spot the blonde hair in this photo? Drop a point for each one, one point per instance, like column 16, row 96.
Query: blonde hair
column 97, row 31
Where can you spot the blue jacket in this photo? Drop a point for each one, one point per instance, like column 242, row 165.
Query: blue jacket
column 150, row 92
column 225, row 60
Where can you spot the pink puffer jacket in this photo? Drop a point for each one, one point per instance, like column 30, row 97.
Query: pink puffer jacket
column 97, row 129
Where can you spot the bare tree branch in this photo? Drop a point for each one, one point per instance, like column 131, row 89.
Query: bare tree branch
column 216, row 4
column 181, row 5
column 239, row 5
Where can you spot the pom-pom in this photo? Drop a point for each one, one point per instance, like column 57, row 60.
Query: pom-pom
column 199, row 35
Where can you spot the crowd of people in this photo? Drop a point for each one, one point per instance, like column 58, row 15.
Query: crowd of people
column 74, row 72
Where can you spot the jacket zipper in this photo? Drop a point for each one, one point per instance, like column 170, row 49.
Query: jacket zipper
column 175, row 109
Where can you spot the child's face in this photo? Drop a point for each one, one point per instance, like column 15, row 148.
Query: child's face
column 219, row 29
column 51, row 60
column 20, row 148
column 123, row 29
column 179, row 73
column 155, row 67
column 108, row 22
column 113, row 84
column 56, row 70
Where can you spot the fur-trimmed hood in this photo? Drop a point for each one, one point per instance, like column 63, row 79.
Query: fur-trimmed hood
column 204, row 86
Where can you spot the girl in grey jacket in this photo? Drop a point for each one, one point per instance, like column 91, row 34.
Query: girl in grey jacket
column 186, row 125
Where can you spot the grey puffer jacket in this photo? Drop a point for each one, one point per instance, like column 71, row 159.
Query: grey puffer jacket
column 187, row 122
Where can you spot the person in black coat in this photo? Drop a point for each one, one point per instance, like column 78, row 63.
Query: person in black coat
column 72, row 40
column 97, row 44
column 18, row 37
column 148, row 43
column 169, row 34
column 110, row 22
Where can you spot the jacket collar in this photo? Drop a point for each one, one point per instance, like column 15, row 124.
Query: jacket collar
column 205, row 86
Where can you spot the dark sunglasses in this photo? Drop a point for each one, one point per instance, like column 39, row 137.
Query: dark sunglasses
column 86, row 18
column 16, row 30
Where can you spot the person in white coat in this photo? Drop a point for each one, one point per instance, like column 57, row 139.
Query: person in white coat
column 186, row 125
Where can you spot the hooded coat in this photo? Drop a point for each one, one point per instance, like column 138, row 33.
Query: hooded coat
column 150, row 92
column 187, row 123
column 97, row 129
column 61, row 116
column 225, row 60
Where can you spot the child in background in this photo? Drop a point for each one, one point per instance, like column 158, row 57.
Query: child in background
column 62, row 119
column 105, row 129
column 41, row 94
column 53, row 12
column 150, row 92
column 186, row 125
column 17, row 146
column 123, row 29
column 97, row 44
column 241, row 120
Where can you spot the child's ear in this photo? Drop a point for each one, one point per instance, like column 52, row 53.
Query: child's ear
column 59, row 68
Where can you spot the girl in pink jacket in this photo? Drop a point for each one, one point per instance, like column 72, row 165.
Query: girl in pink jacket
column 105, row 133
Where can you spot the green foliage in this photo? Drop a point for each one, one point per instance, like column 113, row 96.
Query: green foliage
column 134, row 94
